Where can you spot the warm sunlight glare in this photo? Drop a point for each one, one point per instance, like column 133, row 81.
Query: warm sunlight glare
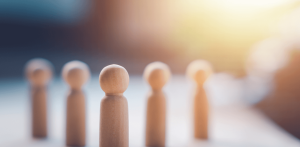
column 224, row 30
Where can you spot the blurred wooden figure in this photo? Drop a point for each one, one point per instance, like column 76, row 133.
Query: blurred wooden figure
column 114, row 80
column 76, row 74
column 199, row 71
column 39, row 73
column 157, row 74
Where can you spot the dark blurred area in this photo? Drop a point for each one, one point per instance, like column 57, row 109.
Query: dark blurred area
column 282, row 104
column 85, row 35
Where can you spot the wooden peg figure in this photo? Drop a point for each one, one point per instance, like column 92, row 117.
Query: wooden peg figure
column 39, row 73
column 199, row 71
column 114, row 80
column 76, row 74
column 157, row 74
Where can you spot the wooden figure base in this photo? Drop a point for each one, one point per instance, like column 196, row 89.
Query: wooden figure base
column 114, row 122
column 39, row 112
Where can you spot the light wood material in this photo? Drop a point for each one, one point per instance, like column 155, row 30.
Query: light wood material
column 156, row 119
column 157, row 74
column 75, row 124
column 201, row 109
column 199, row 71
column 76, row 74
column 39, row 112
column 114, row 80
column 39, row 72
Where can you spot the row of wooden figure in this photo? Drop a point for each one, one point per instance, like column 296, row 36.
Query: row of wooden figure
column 114, row 80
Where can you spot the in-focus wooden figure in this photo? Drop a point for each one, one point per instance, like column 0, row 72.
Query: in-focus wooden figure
column 39, row 73
column 76, row 74
column 157, row 74
column 199, row 71
column 114, row 80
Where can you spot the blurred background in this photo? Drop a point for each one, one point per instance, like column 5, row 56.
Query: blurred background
column 255, row 41
column 138, row 32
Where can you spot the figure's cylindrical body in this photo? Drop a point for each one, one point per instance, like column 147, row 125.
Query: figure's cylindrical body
column 114, row 122
column 156, row 119
column 75, row 127
column 39, row 112
column 201, row 109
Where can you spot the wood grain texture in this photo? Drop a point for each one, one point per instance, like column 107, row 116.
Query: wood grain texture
column 114, row 122
column 114, row 79
column 114, row 125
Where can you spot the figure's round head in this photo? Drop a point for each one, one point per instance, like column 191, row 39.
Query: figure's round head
column 38, row 71
column 199, row 71
column 114, row 79
column 76, row 74
column 157, row 74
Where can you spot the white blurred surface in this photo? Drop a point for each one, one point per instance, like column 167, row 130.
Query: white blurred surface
column 232, row 122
